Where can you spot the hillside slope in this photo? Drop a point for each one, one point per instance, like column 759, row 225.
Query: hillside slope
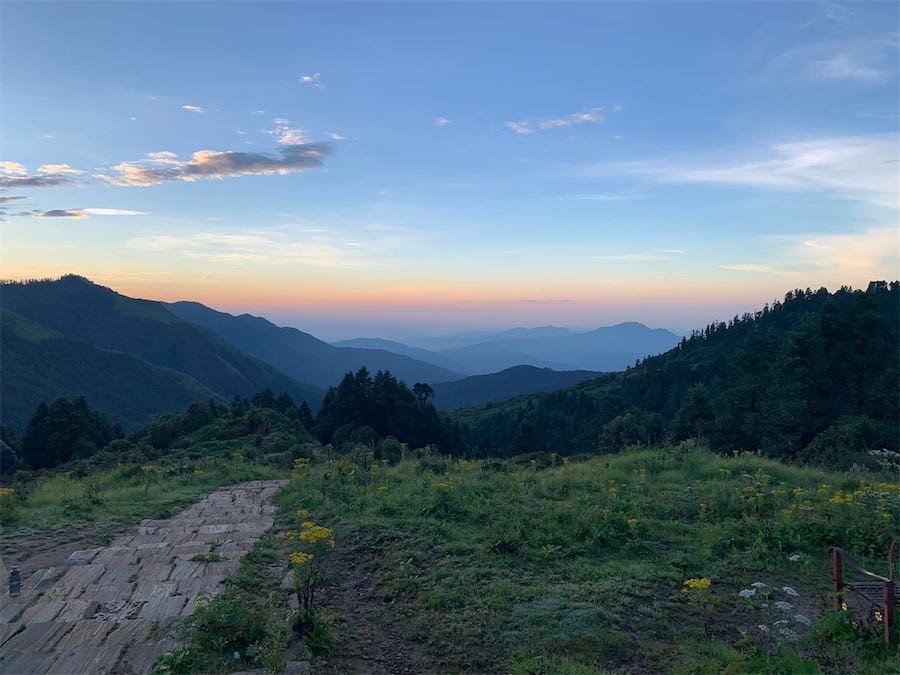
column 90, row 315
column 515, row 381
column 425, row 355
column 39, row 364
column 813, row 377
column 300, row 354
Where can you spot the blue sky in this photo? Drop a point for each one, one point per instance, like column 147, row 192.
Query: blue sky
column 413, row 168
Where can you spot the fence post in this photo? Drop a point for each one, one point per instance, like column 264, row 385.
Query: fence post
column 888, row 618
column 838, row 575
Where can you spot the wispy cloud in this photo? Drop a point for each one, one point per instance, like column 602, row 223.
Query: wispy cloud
column 863, row 60
column 59, row 169
column 747, row 267
column 844, row 67
column 527, row 127
column 212, row 164
column 855, row 257
column 599, row 197
column 194, row 109
column 15, row 175
column 5, row 199
column 849, row 167
column 441, row 121
column 80, row 214
column 315, row 246
column 633, row 257
column 336, row 137
column 285, row 134
column 13, row 168
column 314, row 79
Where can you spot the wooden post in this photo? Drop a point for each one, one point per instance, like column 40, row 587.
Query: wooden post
column 838, row 575
column 888, row 618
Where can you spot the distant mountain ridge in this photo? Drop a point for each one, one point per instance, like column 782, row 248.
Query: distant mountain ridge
column 426, row 355
column 605, row 349
column 497, row 387
column 303, row 356
column 132, row 358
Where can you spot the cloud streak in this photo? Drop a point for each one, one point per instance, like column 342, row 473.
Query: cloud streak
column 80, row 214
column 528, row 127
column 194, row 109
column 862, row 168
column 214, row 165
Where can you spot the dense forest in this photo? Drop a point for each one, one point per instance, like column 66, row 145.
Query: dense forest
column 813, row 378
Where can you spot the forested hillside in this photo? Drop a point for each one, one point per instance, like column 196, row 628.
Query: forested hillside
column 85, row 339
column 814, row 377
column 496, row 387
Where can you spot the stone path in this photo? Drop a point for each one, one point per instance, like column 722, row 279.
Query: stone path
column 106, row 609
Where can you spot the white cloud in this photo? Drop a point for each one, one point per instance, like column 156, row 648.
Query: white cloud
column 80, row 214
column 59, row 168
column 747, row 267
column 13, row 168
column 855, row 257
column 843, row 67
column 159, row 167
column 285, row 134
column 441, row 121
column 633, row 257
column 526, row 127
column 194, row 109
column 337, row 137
column 315, row 79
column 862, row 168
column 317, row 247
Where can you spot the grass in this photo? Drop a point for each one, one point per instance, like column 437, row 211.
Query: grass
column 128, row 492
column 576, row 567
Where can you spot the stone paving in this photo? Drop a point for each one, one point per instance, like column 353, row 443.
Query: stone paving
column 106, row 609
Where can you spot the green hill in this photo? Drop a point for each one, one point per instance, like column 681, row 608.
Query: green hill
column 515, row 381
column 813, row 377
column 130, row 358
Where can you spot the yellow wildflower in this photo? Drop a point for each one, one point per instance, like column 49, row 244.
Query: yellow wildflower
column 6, row 491
column 313, row 534
column 632, row 522
column 302, row 513
column 300, row 558
column 382, row 488
column 695, row 584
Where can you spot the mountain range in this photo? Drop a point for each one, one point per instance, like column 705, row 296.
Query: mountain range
column 134, row 358
column 608, row 348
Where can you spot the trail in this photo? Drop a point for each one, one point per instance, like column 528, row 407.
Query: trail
column 104, row 609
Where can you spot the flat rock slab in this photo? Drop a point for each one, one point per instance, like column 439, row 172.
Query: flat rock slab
column 102, row 612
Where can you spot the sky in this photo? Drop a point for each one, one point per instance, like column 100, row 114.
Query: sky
column 424, row 168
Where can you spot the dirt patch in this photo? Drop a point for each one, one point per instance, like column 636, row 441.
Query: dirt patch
column 365, row 640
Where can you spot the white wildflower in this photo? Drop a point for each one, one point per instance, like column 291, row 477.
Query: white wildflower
column 794, row 558
column 763, row 628
column 747, row 593
column 790, row 635
column 791, row 592
column 781, row 622
column 758, row 584
column 799, row 618
column 785, row 606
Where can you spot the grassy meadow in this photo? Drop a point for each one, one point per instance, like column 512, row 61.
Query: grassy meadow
column 627, row 563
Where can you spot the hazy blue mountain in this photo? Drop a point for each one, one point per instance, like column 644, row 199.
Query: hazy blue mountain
column 604, row 349
column 425, row 355
column 470, row 338
column 303, row 356
column 495, row 387
column 130, row 358
column 489, row 357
